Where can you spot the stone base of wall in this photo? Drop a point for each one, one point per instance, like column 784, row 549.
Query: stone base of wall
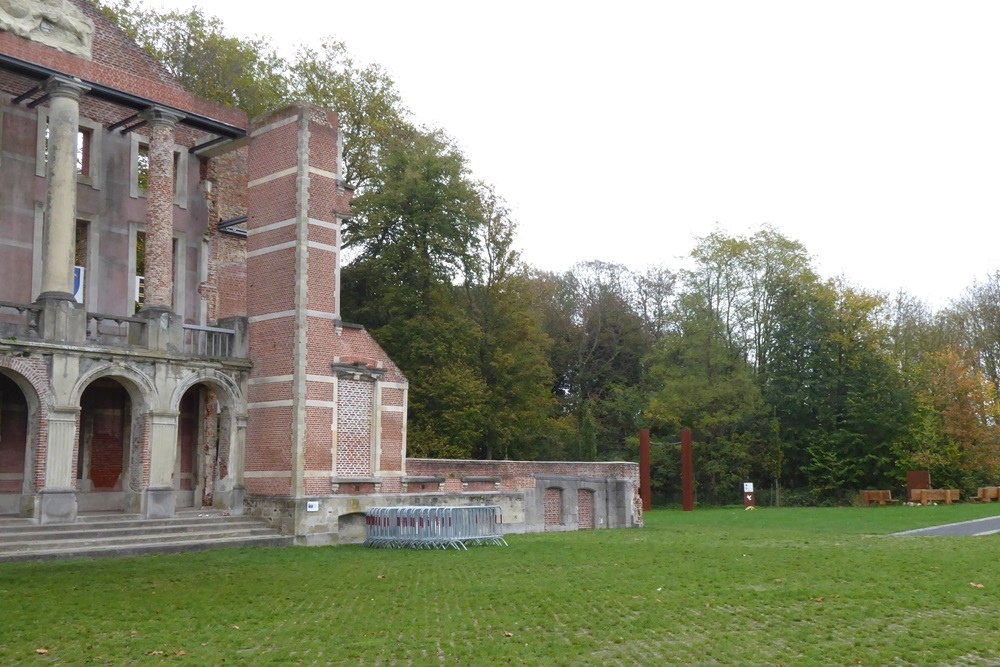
column 325, row 520
column 582, row 503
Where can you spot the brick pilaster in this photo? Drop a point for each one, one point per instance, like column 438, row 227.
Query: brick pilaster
column 160, row 209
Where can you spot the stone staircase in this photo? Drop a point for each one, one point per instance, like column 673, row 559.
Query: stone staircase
column 109, row 535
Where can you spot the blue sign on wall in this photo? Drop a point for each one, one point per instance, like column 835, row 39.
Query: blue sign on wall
column 78, row 283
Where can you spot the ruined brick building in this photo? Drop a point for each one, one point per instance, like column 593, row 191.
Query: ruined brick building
column 170, row 325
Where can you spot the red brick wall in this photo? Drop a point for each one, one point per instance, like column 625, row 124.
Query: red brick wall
column 34, row 371
column 225, row 289
column 104, row 411
column 354, row 427
column 271, row 288
column 585, row 509
column 553, row 507
column 516, row 475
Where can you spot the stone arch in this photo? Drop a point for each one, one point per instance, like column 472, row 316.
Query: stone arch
column 215, row 379
column 31, row 379
column 351, row 528
column 207, row 467
column 29, row 376
column 140, row 387
column 143, row 399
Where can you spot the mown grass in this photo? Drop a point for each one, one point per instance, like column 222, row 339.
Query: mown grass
column 821, row 586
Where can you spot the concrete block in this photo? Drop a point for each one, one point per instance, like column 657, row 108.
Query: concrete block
column 160, row 503
column 57, row 506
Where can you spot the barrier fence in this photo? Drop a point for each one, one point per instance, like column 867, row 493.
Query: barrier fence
column 433, row 527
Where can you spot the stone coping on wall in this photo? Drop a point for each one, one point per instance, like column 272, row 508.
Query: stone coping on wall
column 466, row 468
column 504, row 462
column 576, row 478
column 355, row 480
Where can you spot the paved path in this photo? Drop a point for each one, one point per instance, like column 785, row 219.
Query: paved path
column 974, row 528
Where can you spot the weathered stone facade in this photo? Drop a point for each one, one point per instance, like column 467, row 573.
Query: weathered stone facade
column 170, row 325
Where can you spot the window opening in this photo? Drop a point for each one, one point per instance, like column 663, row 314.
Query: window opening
column 80, row 259
column 142, row 167
column 140, row 270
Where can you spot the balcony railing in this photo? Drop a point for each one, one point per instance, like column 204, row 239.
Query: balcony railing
column 18, row 320
column 211, row 342
column 28, row 322
column 117, row 330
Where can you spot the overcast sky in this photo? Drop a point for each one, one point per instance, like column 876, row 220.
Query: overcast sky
column 867, row 130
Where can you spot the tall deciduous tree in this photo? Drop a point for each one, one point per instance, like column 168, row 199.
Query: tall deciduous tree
column 697, row 381
column 974, row 323
column 599, row 344
column 954, row 432
column 518, row 420
column 739, row 279
column 371, row 111
column 245, row 73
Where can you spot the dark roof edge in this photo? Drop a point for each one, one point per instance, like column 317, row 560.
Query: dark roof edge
column 102, row 92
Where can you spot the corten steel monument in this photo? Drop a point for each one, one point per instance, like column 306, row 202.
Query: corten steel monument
column 170, row 325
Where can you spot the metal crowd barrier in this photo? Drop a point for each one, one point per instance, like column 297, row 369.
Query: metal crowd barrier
column 433, row 527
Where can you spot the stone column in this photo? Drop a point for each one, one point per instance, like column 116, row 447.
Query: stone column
column 160, row 209
column 58, row 248
column 160, row 496
column 58, row 497
column 234, row 502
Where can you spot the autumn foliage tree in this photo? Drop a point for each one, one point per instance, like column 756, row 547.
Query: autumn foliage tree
column 809, row 387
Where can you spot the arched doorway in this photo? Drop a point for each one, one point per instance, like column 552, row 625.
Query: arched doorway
column 15, row 458
column 105, row 465
column 204, row 431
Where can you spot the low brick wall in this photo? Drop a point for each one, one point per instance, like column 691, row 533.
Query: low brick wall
column 517, row 475
column 559, row 495
column 533, row 496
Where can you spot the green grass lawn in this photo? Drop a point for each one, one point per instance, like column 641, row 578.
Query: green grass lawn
column 822, row 586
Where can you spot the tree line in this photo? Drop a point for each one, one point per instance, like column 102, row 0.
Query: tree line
column 811, row 388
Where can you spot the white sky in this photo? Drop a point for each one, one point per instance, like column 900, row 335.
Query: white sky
column 867, row 130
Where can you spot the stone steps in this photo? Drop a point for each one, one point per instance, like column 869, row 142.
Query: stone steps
column 108, row 535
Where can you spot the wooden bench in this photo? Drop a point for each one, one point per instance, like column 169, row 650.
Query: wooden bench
column 882, row 497
column 924, row 496
column 987, row 493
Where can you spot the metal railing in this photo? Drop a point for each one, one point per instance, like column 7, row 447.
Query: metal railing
column 211, row 342
column 433, row 527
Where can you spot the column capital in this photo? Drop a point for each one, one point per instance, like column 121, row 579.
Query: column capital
column 64, row 413
column 61, row 86
column 168, row 417
column 162, row 116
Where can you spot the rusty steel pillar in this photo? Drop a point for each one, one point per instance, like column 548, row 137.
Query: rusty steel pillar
column 687, row 472
column 645, row 490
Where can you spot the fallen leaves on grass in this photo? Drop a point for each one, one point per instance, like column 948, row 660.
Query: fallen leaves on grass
column 41, row 651
column 974, row 585
column 508, row 634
